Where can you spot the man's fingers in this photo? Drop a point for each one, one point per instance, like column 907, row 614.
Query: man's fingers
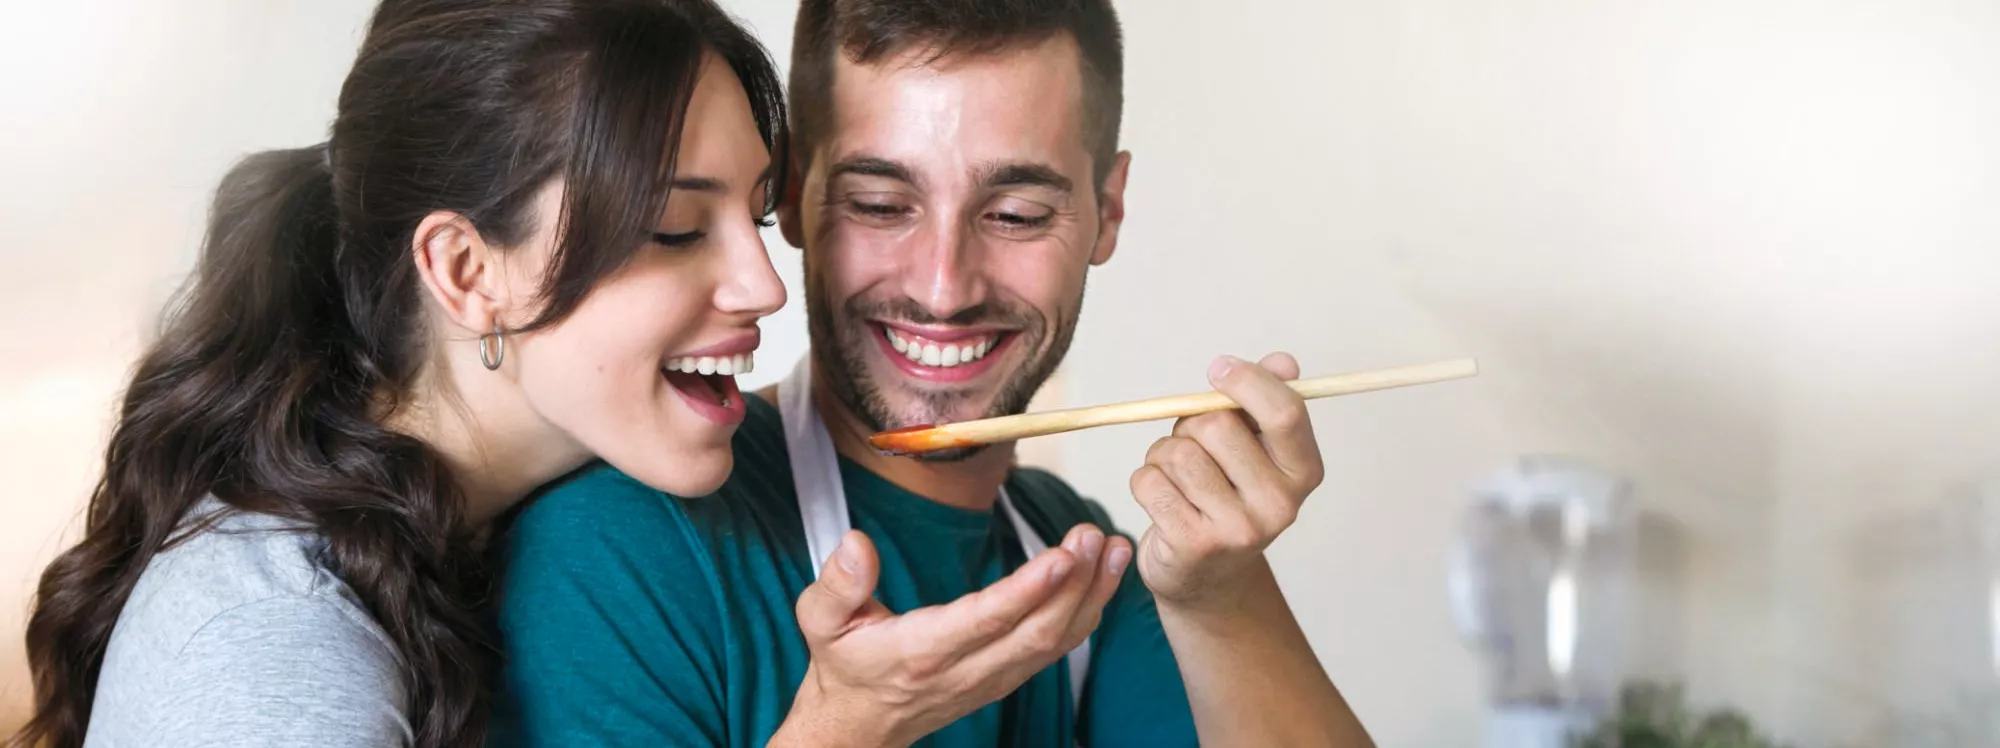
column 931, row 641
column 1280, row 414
column 1045, row 628
column 950, row 631
column 1226, row 437
column 1229, row 435
column 1163, row 501
column 1086, row 542
column 1188, row 464
column 1281, row 365
column 1044, row 635
column 1110, row 571
column 845, row 588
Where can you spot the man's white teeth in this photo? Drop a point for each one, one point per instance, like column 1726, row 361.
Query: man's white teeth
column 940, row 356
column 728, row 366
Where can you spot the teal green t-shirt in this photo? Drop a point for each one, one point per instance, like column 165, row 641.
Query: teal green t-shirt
column 634, row 618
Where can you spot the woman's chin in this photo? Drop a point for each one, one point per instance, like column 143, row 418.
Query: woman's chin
column 693, row 476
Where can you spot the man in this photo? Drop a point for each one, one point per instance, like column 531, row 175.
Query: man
column 957, row 175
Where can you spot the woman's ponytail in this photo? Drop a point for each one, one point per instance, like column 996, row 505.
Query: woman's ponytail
column 263, row 285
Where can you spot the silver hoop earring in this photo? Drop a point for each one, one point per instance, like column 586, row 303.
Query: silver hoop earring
column 491, row 355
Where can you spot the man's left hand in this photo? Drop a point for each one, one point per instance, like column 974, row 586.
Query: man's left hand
column 1225, row 484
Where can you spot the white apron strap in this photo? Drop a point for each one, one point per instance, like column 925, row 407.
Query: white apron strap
column 815, row 466
column 1079, row 658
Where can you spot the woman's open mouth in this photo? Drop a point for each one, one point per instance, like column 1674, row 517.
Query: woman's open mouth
column 708, row 384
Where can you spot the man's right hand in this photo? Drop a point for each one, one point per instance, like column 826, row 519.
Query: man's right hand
column 881, row 679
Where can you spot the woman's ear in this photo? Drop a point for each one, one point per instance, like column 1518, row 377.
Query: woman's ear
column 459, row 270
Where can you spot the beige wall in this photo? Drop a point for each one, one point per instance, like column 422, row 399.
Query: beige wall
column 119, row 117
column 1742, row 251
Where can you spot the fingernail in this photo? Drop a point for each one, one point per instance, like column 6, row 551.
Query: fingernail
column 1115, row 563
column 849, row 557
column 1060, row 568
column 1222, row 367
column 1093, row 541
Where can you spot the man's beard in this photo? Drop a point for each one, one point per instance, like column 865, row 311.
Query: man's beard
column 840, row 348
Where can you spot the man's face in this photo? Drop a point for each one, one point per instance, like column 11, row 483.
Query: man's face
column 949, row 217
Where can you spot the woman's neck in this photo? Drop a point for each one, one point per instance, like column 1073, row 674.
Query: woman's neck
column 498, row 449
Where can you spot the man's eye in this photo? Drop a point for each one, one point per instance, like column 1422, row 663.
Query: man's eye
column 880, row 210
column 1017, row 220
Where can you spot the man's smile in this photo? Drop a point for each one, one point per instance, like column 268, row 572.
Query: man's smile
column 944, row 355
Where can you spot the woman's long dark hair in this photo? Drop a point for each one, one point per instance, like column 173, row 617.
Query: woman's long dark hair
column 302, row 328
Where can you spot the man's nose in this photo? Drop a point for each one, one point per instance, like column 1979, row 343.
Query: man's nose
column 945, row 273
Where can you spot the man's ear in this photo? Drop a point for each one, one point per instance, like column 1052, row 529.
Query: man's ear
column 790, row 222
column 459, row 270
column 1111, row 208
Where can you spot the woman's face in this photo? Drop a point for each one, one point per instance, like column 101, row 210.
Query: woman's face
column 642, row 373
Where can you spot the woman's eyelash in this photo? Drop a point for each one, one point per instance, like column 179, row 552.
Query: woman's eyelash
column 684, row 239
column 678, row 240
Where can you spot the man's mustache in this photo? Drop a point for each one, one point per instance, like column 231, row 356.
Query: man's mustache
column 908, row 310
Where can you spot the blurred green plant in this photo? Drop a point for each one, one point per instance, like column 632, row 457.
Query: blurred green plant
column 1656, row 715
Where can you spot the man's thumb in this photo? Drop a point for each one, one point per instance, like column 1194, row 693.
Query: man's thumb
column 846, row 584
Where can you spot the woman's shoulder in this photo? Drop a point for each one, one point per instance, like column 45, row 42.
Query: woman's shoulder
column 226, row 559
column 220, row 624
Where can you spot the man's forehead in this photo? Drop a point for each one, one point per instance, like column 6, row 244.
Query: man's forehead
column 1021, row 102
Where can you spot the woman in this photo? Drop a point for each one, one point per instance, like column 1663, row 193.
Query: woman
column 531, row 240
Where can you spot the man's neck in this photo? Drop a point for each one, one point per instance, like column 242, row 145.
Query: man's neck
column 971, row 483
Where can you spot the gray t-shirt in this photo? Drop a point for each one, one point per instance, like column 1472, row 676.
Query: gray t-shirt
column 241, row 636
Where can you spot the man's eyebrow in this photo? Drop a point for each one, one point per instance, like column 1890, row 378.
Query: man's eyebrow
column 1023, row 174
column 871, row 166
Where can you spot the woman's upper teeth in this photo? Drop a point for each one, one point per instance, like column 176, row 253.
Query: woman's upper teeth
column 728, row 366
column 941, row 355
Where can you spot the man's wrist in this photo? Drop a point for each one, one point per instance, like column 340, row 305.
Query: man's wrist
column 821, row 720
column 805, row 732
column 1229, row 602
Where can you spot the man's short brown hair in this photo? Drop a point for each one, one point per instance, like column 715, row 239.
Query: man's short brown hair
column 867, row 31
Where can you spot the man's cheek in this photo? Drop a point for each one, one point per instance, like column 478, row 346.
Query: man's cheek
column 837, row 271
